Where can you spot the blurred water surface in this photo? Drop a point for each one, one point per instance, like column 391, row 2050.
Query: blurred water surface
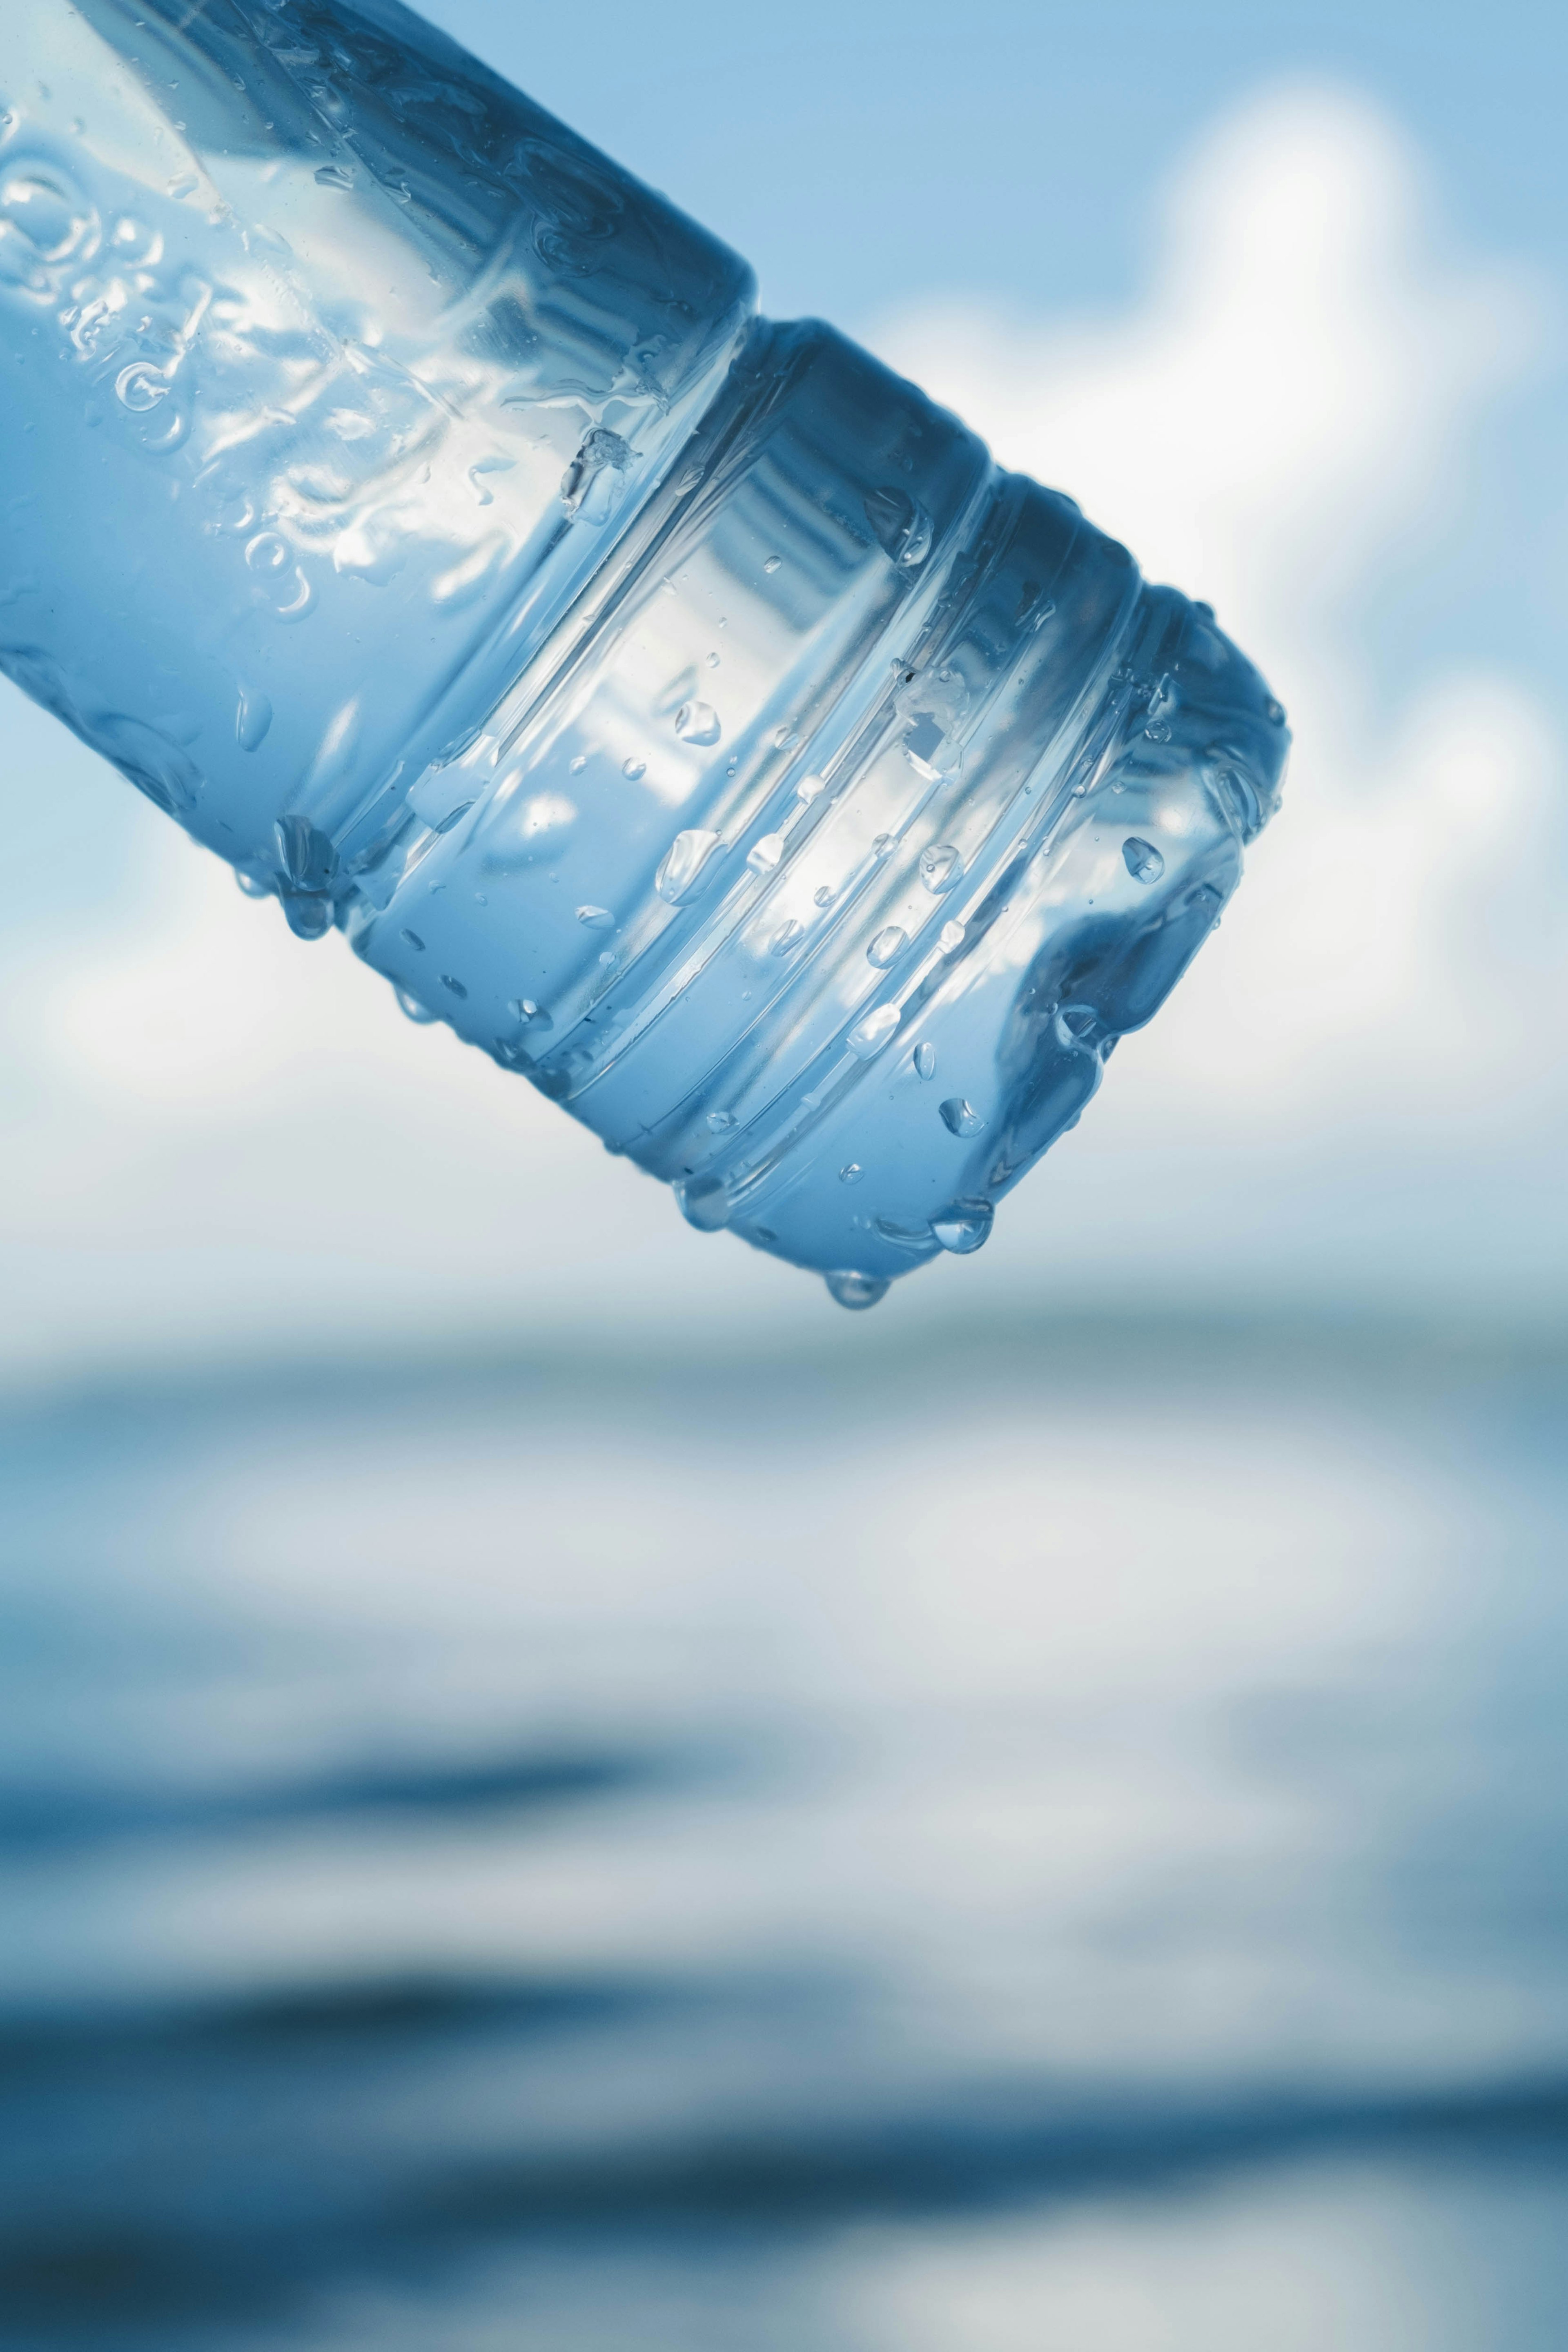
column 1054, row 1840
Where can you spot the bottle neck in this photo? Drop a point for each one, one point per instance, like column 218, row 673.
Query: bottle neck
column 797, row 852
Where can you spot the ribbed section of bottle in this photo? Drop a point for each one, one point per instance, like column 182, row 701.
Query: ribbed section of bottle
column 680, row 706
column 866, row 800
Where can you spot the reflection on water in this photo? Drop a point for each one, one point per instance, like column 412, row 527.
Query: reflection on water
column 1055, row 1844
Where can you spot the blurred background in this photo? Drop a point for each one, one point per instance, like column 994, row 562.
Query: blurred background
column 561, row 1794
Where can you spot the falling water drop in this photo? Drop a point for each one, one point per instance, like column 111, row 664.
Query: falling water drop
column 855, row 1291
column 309, row 916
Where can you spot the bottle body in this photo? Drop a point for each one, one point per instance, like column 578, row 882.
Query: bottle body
column 679, row 705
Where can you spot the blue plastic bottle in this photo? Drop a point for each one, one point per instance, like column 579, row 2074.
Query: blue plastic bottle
column 679, row 705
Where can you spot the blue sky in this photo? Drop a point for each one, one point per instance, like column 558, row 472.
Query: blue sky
column 1070, row 223
column 864, row 155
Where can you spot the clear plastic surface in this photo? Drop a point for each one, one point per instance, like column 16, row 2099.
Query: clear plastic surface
column 679, row 705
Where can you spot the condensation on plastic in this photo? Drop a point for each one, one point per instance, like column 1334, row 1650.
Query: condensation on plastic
column 679, row 705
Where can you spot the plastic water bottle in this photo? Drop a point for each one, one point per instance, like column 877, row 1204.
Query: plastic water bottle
column 677, row 704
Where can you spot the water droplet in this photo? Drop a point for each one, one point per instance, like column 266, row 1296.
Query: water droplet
column 902, row 526
column 712, row 660
column 925, row 1060
column 941, row 867
column 332, row 175
column 881, row 845
column 720, row 1121
column 704, row 1202
column 787, row 936
column 1158, row 731
column 963, row 1226
column 950, row 938
column 886, row 947
column 765, row 856
column 810, row 788
column 409, row 1003
column 455, row 985
column 824, row 895
column 682, row 866
column 253, row 885
column 868, row 1036
column 524, row 1009
column 904, row 1237
column 1273, row 712
column 413, row 940
column 773, row 564
column 696, row 722
column 960, row 1116
column 634, row 771
column 266, row 552
column 597, row 918
column 252, row 717
column 785, row 738
column 141, row 387
column 855, row 1291
column 593, row 483
column 1141, row 859
column 851, row 1172
column 576, row 766
column 308, row 918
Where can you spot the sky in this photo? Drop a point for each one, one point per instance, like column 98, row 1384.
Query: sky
column 1278, row 297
